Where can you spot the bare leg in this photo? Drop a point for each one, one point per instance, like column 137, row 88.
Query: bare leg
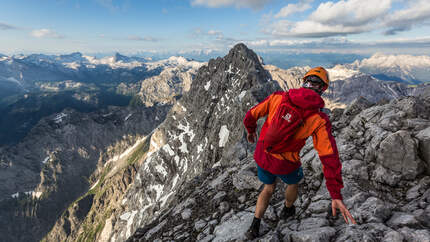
column 291, row 194
column 263, row 200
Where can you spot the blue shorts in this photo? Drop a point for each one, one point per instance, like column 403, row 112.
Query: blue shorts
column 269, row 178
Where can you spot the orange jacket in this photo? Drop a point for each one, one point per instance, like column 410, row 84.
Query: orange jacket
column 317, row 125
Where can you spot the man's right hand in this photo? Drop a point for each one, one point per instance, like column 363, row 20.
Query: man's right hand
column 251, row 137
column 338, row 204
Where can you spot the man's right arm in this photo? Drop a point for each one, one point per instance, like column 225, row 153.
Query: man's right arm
column 256, row 112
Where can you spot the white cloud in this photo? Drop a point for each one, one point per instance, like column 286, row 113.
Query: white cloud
column 4, row 26
column 295, row 43
column 257, row 43
column 199, row 33
column 254, row 4
column 293, row 8
column 342, row 45
column 46, row 33
column 334, row 19
column 314, row 29
column 401, row 20
column 350, row 12
column 218, row 34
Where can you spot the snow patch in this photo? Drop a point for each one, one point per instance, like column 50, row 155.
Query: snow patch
column 177, row 160
column 241, row 95
column 216, row 164
column 230, row 70
column 130, row 223
column 111, row 62
column 126, row 152
column 340, row 72
column 160, row 169
column 45, row 160
column 199, row 148
column 125, row 216
column 186, row 131
column 175, row 180
column 128, row 116
column 158, row 189
column 34, row 194
column 208, row 84
column 72, row 65
column 223, row 135
column 169, row 150
column 95, row 184
column 164, row 198
column 59, row 118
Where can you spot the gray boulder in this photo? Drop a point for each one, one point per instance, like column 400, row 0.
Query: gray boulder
column 424, row 146
column 398, row 153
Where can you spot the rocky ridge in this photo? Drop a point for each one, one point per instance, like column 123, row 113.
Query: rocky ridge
column 384, row 151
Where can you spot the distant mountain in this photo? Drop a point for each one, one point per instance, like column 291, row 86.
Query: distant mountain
column 347, row 84
column 26, row 70
column 37, row 85
column 404, row 68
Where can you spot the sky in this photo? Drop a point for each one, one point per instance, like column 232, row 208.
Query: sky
column 181, row 26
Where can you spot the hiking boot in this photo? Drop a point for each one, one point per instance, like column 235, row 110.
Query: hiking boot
column 253, row 231
column 288, row 212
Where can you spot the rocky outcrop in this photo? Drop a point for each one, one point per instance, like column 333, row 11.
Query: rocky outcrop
column 166, row 87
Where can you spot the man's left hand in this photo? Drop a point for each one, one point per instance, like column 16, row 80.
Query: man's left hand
column 338, row 204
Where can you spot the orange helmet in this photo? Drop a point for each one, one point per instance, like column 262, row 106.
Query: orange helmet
column 319, row 72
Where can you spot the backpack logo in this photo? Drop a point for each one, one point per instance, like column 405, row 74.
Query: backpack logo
column 287, row 117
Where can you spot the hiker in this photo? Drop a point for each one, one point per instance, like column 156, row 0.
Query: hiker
column 292, row 117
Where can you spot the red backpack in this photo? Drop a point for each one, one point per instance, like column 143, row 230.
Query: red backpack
column 285, row 123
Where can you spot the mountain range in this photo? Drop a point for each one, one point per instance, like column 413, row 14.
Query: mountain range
column 175, row 165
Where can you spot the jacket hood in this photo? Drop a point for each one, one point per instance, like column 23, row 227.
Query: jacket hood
column 306, row 98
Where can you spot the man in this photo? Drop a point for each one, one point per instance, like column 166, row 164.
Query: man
column 286, row 165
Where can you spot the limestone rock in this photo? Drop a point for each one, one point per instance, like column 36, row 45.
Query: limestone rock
column 424, row 146
column 401, row 159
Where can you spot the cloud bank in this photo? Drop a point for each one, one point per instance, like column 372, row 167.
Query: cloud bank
column 348, row 17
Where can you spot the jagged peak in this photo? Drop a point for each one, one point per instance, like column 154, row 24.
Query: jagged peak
column 242, row 50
